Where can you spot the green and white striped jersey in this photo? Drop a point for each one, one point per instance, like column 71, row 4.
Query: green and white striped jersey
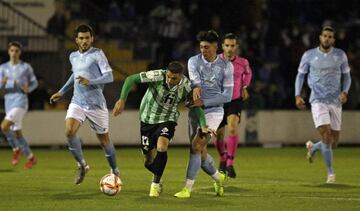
column 160, row 104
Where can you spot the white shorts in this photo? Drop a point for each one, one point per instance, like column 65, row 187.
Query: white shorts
column 326, row 114
column 16, row 116
column 98, row 119
column 213, row 119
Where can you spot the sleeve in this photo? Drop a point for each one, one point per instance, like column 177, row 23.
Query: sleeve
column 194, row 75
column 344, row 64
column 201, row 116
column 33, row 83
column 346, row 82
column 68, row 85
column 227, row 88
column 304, row 63
column 107, row 77
column 128, row 84
column 103, row 62
column 299, row 82
column 247, row 74
column 151, row 76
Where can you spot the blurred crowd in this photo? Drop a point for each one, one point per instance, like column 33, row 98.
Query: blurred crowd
column 273, row 35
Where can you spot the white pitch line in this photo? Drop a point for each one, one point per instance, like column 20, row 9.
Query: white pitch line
column 279, row 195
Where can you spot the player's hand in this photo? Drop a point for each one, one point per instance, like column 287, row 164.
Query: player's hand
column 55, row 97
column 208, row 131
column 197, row 103
column 196, row 93
column 83, row 81
column 244, row 94
column 343, row 97
column 119, row 107
column 25, row 88
column 4, row 80
column 300, row 103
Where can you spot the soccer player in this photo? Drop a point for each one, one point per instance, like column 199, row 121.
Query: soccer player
column 91, row 71
column 329, row 80
column 159, row 114
column 212, row 77
column 232, row 110
column 17, row 81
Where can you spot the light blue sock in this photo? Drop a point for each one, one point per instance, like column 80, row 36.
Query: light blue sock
column 24, row 146
column 328, row 157
column 193, row 166
column 10, row 137
column 316, row 147
column 110, row 155
column 208, row 165
column 75, row 149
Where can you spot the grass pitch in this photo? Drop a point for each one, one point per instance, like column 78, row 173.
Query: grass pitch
column 268, row 179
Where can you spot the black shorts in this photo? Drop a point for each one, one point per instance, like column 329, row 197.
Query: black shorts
column 151, row 132
column 233, row 107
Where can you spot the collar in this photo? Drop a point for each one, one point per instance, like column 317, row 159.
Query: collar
column 207, row 62
column 331, row 50
column 86, row 52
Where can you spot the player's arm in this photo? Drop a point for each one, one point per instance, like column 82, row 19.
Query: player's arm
column 3, row 80
column 195, row 79
column 346, row 80
column 125, row 90
column 33, row 83
column 246, row 81
column 299, row 81
column 67, row 86
column 227, row 89
column 107, row 77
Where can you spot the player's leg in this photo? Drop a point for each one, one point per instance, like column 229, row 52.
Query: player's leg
column 198, row 143
column 326, row 148
column 159, row 165
column 220, row 145
column 10, row 137
column 232, row 143
column 109, row 150
column 25, row 148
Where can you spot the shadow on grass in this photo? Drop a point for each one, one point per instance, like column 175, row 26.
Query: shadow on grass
column 7, row 170
column 71, row 195
column 333, row 186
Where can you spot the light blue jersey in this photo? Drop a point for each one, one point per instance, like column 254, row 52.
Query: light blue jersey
column 18, row 75
column 215, row 79
column 324, row 74
column 92, row 65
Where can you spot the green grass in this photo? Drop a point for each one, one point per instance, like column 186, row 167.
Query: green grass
column 268, row 179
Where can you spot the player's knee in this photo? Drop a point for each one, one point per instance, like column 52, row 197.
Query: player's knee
column 4, row 128
column 232, row 131
column 69, row 132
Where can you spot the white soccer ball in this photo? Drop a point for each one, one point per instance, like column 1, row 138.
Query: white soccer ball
column 110, row 184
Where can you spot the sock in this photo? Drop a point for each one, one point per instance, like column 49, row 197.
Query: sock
column 111, row 156
column 328, row 157
column 10, row 137
column 208, row 165
column 316, row 147
column 220, row 146
column 159, row 165
column 231, row 148
column 189, row 183
column 25, row 148
column 75, row 149
column 150, row 167
column 193, row 166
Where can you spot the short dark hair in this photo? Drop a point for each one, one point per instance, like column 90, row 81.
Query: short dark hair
column 175, row 67
column 83, row 28
column 209, row 36
column 16, row 44
column 328, row 28
column 231, row 36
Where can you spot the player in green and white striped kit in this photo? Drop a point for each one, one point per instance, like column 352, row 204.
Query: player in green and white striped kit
column 159, row 114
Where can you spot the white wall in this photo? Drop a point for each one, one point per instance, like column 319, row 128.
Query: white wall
column 47, row 128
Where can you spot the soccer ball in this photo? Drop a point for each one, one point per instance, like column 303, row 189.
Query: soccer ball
column 110, row 184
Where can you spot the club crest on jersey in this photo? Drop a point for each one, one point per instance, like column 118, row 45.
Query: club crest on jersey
column 164, row 131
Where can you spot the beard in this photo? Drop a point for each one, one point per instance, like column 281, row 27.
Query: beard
column 325, row 46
